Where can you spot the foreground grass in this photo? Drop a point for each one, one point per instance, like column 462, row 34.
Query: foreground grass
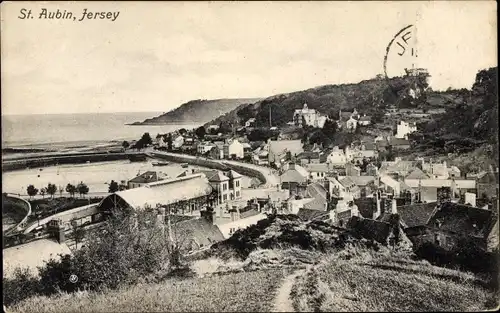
column 246, row 291
column 387, row 283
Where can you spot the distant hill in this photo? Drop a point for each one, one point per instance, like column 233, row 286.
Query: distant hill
column 197, row 111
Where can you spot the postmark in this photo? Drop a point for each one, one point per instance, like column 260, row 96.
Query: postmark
column 401, row 60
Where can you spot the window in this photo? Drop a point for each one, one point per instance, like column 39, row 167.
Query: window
column 224, row 186
column 225, row 197
column 237, row 194
column 237, row 183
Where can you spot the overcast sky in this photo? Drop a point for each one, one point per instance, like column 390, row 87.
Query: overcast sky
column 157, row 55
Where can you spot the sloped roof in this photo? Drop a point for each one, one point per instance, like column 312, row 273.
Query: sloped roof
column 319, row 167
column 249, row 213
column 362, row 180
column 280, row 146
column 31, row 255
column 146, row 177
column 389, row 181
column 415, row 214
column 166, row 192
column 318, row 203
column 417, row 174
column 347, row 181
column 309, row 214
column 198, row 231
column 366, row 206
column 397, row 167
column 316, row 190
column 214, row 176
column 370, row 229
column 232, row 174
column 297, row 174
column 308, row 154
column 463, row 219
column 365, row 118
column 399, row 142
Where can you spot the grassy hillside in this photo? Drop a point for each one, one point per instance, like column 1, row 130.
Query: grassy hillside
column 199, row 111
column 377, row 283
column 250, row 292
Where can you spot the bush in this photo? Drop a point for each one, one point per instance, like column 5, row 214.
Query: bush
column 21, row 286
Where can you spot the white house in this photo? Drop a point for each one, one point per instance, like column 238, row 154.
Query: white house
column 351, row 124
column 310, row 116
column 236, row 149
column 336, row 157
column 161, row 142
column 204, row 147
column 365, row 120
column 404, row 129
column 178, row 142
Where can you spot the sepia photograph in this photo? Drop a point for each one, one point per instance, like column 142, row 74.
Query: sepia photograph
column 249, row 156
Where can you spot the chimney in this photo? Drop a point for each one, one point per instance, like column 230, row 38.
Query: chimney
column 394, row 206
column 378, row 212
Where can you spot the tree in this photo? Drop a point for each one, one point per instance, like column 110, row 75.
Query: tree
column 125, row 145
column 113, row 186
column 71, row 189
column 32, row 191
column 82, row 188
column 182, row 131
column 169, row 142
column 330, row 128
column 51, row 190
column 200, row 132
column 78, row 233
column 43, row 192
column 122, row 187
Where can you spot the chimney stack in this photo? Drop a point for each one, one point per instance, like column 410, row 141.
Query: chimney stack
column 394, row 206
column 379, row 211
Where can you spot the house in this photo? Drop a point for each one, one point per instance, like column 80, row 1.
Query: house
column 365, row 120
column 247, row 149
column 260, row 156
column 217, row 151
column 204, row 147
column 161, row 141
column 390, row 185
column 293, row 177
column 454, row 172
column 397, row 168
column 178, row 142
column 404, row 129
column 250, row 122
column 344, row 211
column 251, row 218
column 351, row 124
column 352, row 170
column 308, row 157
column 367, row 151
column 227, row 184
column 372, row 170
column 366, row 184
column 454, row 227
column 435, row 170
column 235, row 150
column 189, row 143
column 336, row 157
column 310, row 116
column 318, row 171
column 428, row 190
column 188, row 194
column 487, row 182
column 350, row 187
column 281, row 150
column 197, row 233
column 145, row 178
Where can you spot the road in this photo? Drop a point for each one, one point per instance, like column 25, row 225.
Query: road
column 272, row 179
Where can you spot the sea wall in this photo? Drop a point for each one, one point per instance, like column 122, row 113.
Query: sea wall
column 23, row 204
column 219, row 165
column 18, row 164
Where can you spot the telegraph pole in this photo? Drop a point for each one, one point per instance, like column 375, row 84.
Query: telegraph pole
column 270, row 123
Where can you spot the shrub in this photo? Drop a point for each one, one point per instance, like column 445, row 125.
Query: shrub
column 22, row 285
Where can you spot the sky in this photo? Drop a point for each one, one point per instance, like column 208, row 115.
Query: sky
column 158, row 55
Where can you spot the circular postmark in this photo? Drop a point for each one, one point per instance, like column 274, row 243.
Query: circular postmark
column 401, row 60
column 73, row 278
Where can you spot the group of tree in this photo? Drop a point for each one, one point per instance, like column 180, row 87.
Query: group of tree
column 144, row 142
column 200, row 132
column 140, row 247
column 51, row 190
column 115, row 186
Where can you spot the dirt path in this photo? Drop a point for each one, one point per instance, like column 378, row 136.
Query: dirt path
column 282, row 302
